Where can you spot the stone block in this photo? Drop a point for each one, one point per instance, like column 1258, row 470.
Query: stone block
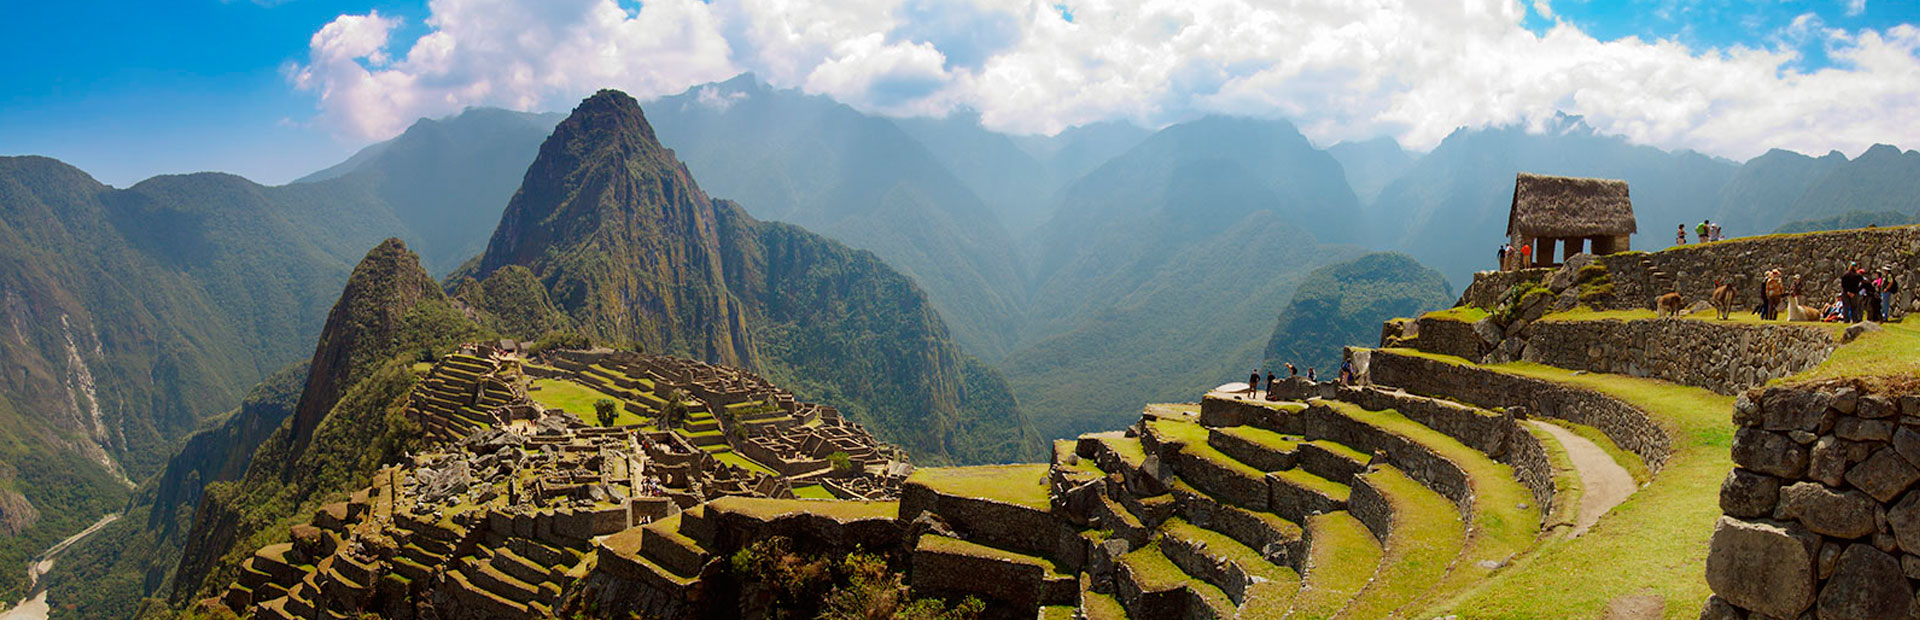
column 1858, row 429
column 1749, row 495
column 1884, row 475
column 1906, row 442
column 1769, row 453
column 1761, row 566
column 1827, row 462
column 1904, row 520
column 1785, row 409
column 1875, row 406
column 1845, row 400
column 1867, row 584
column 1824, row 511
column 1719, row 609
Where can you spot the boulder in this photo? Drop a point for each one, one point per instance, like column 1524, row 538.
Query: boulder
column 1884, row 475
column 1859, row 329
column 1824, row 511
column 1788, row 409
column 1773, row 454
column 1761, row 566
column 1749, row 495
column 1719, row 609
column 1904, row 520
column 1864, row 430
column 1867, row 584
column 1906, row 442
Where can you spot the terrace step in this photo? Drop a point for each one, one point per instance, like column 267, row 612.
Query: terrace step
column 663, row 544
column 1025, row 581
column 1423, row 535
column 1342, row 558
column 1151, row 586
column 1225, row 563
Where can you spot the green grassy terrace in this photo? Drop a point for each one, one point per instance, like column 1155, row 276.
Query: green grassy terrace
column 578, row 400
column 1463, row 314
column 1427, row 537
column 1656, row 541
column 1020, row 485
column 1344, row 557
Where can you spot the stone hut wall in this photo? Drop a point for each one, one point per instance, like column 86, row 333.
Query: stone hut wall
column 1625, row 425
column 1819, row 519
column 1723, row 358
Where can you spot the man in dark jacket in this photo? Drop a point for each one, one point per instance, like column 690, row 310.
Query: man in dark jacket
column 1850, row 293
column 1253, row 384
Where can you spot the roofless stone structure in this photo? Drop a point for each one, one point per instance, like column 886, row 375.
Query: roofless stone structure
column 1569, row 212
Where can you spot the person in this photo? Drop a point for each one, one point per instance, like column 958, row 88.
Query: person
column 1502, row 257
column 1680, row 234
column 1346, row 372
column 1836, row 312
column 1526, row 255
column 1849, row 293
column 1701, row 231
column 1870, row 297
column 1291, row 371
column 1713, row 232
column 1887, row 290
column 1310, row 376
column 1774, row 293
column 1253, row 383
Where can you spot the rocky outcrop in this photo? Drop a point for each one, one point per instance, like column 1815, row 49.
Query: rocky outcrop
column 1820, row 517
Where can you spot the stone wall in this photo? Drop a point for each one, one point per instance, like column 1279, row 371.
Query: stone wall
column 1725, row 358
column 1451, row 337
column 1497, row 434
column 1818, row 514
column 1639, row 277
column 1625, row 425
column 1367, row 505
column 995, row 524
column 1318, row 421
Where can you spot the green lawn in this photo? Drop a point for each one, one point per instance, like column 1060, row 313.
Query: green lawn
column 812, row 491
column 1343, row 556
column 734, row 458
column 577, row 399
column 1427, row 535
column 1505, row 519
column 1584, row 313
column 1893, row 352
column 1463, row 314
column 1021, row 485
column 1655, row 542
column 768, row 509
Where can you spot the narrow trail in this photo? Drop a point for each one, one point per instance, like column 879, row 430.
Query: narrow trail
column 35, row 606
column 1605, row 483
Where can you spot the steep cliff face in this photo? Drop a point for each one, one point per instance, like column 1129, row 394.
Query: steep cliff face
column 380, row 293
column 631, row 250
column 622, row 237
column 342, row 428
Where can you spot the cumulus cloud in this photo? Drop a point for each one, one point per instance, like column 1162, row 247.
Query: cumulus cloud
column 1341, row 69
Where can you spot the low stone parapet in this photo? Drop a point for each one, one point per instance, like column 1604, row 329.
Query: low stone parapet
column 1724, row 357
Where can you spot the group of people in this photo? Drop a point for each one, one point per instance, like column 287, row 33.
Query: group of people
column 1511, row 259
column 1253, row 380
column 1705, row 231
column 1863, row 296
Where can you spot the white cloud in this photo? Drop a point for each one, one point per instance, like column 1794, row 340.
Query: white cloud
column 1855, row 7
column 1341, row 69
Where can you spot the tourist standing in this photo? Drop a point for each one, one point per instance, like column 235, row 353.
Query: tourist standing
column 1526, row 255
column 1253, row 384
column 1291, row 371
column 1775, row 291
column 1849, row 293
column 1679, row 234
column 1701, row 231
column 1502, row 254
column 1269, row 385
column 1310, row 376
column 1346, row 372
column 1888, row 290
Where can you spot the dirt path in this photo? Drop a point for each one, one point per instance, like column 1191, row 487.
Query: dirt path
column 1605, row 483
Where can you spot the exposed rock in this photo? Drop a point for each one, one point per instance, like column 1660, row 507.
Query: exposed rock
column 1884, row 475
column 1867, row 584
column 1749, row 495
column 1875, row 406
column 1786, row 409
column 1910, row 564
column 1828, row 462
column 1841, row 515
column 1769, row 453
column 1906, row 442
column 1860, row 329
column 1904, row 520
column 1719, row 609
column 1846, row 399
column 1760, row 566
column 16, row 513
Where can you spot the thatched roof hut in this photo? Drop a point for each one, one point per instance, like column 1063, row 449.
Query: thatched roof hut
column 1569, row 207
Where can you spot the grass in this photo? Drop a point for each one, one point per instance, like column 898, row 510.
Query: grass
column 1301, row 478
column 1427, row 538
column 1128, row 449
column 1223, row 546
column 1875, row 357
column 578, row 400
column 1584, row 313
column 1655, row 541
column 1506, row 520
column 734, row 458
column 768, row 509
column 1463, row 314
column 943, row 544
column 1342, row 559
column 1020, row 485
column 1263, row 437
column 812, row 491
column 1099, row 606
column 1628, row 460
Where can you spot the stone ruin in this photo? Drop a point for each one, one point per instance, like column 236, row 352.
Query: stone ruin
column 497, row 514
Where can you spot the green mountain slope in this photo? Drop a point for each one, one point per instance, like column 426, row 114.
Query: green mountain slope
column 631, row 250
column 1343, row 304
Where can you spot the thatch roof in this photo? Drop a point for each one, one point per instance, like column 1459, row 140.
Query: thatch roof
column 1566, row 207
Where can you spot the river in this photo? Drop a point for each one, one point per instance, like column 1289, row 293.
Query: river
column 35, row 607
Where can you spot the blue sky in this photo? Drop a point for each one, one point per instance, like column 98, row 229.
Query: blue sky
column 126, row 90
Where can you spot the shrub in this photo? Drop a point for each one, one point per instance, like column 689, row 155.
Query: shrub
column 842, row 462
column 603, row 409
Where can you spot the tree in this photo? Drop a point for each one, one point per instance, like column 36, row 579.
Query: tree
column 675, row 410
column 603, row 409
column 842, row 462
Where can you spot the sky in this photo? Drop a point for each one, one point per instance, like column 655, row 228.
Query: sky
column 275, row 89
